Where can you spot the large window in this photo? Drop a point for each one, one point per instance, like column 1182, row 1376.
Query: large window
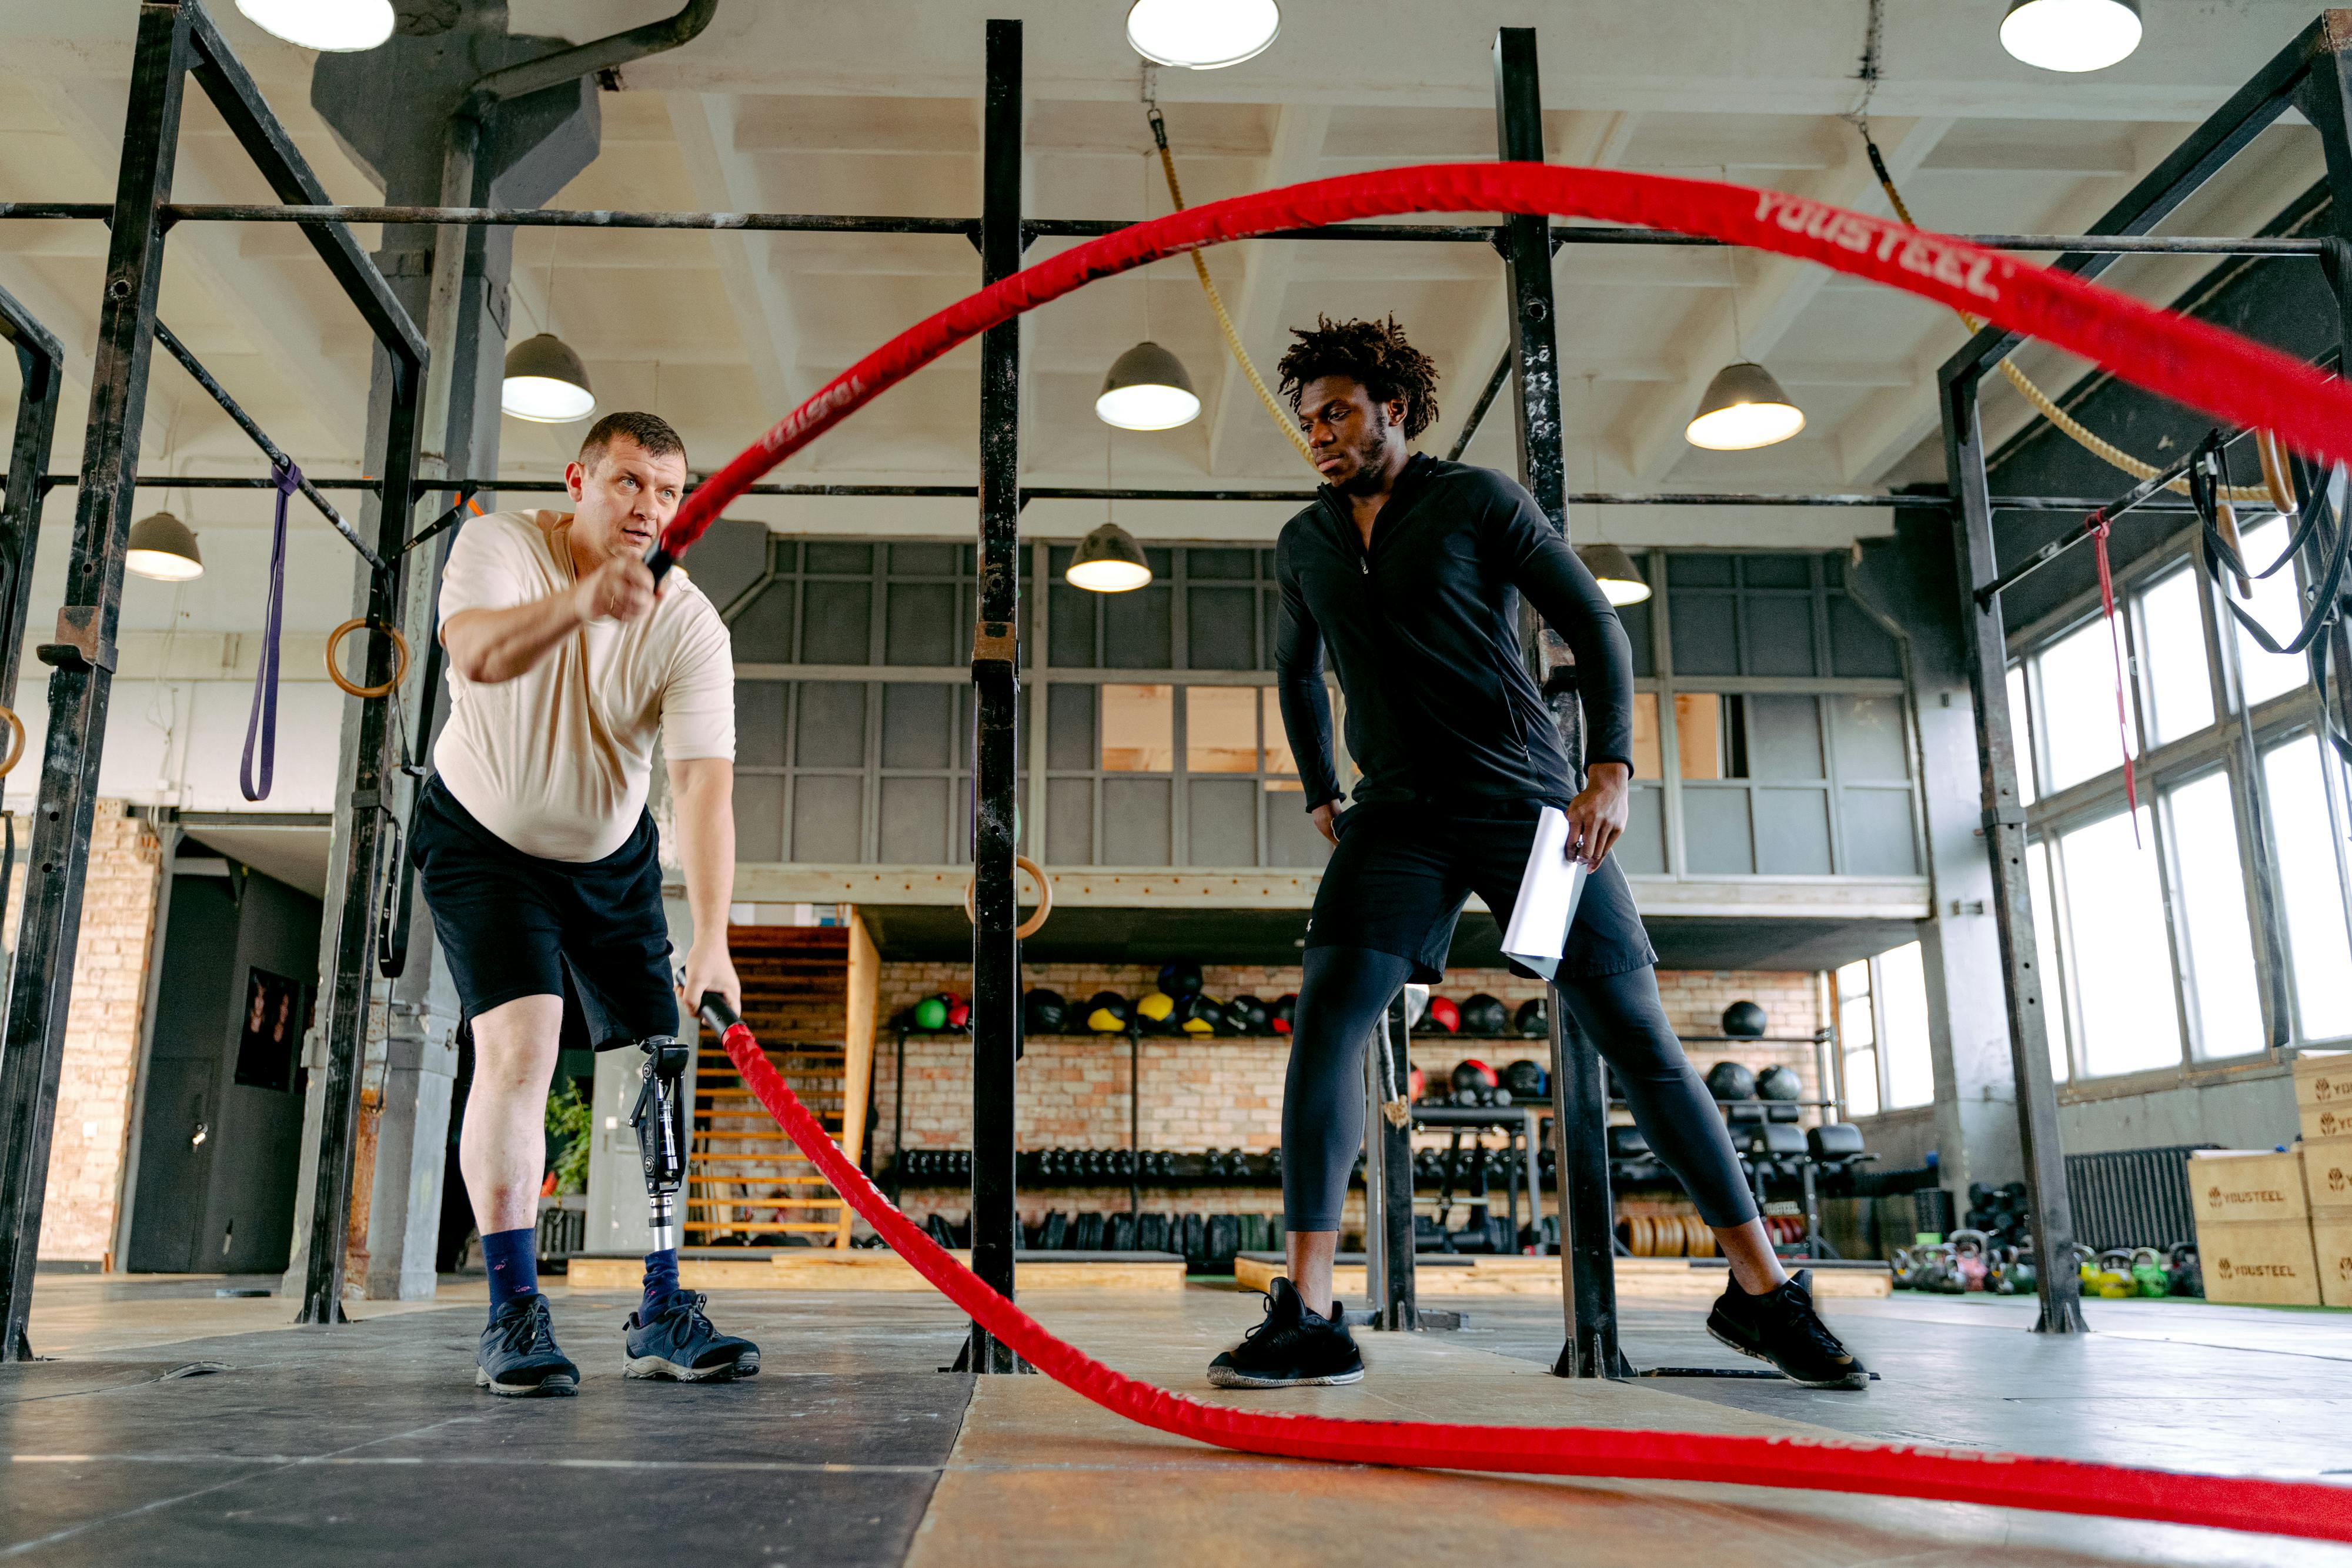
column 1884, row 1057
column 2149, row 930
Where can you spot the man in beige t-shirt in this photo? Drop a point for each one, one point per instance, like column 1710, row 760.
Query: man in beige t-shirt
column 539, row 863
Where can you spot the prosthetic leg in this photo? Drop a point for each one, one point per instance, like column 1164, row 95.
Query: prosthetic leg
column 660, row 1123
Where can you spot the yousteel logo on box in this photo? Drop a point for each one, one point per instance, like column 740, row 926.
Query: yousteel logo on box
column 2217, row 1199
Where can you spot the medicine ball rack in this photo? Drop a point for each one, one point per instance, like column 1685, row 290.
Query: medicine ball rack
column 178, row 39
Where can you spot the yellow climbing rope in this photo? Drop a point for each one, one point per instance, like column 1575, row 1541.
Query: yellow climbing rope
column 1274, row 411
column 2088, row 440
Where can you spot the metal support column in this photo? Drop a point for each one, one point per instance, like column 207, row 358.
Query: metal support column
column 1388, row 1178
column 1580, row 1108
column 995, row 951
column 39, row 358
column 2047, row 1201
column 83, row 658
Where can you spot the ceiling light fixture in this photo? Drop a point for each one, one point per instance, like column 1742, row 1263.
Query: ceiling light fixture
column 545, row 383
column 2070, row 35
column 1618, row 573
column 164, row 547
column 1202, row 35
column 1744, row 408
column 1148, row 389
column 331, row 26
column 1108, row 560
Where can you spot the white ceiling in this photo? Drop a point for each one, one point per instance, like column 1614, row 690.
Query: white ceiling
column 812, row 106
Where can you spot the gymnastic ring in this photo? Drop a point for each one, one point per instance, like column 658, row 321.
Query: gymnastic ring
column 1028, row 927
column 16, row 741
column 399, row 660
column 2276, row 476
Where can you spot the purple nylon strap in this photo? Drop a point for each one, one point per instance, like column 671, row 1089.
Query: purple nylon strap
column 262, row 722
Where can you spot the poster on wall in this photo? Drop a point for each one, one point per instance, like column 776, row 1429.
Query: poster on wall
column 273, row 1031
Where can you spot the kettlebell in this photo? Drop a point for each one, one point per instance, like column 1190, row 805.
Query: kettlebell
column 2147, row 1274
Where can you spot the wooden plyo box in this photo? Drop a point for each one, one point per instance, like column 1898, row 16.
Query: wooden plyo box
column 858, row 1269
column 2328, row 1177
column 2323, row 1093
column 2236, row 1187
column 2258, row 1262
column 1513, row 1275
column 2331, row 1240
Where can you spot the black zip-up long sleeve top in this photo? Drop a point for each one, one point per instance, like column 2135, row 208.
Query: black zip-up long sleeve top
column 1422, row 630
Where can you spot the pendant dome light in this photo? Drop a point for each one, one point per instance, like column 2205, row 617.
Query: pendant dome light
column 164, row 549
column 331, row 26
column 1202, row 35
column 545, row 383
column 2070, row 35
column 1148, row 389
column 1108, row 560
column 1620, row 576
column 1744, row 408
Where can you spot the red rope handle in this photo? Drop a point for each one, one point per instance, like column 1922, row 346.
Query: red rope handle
column 2099, row 524
column 2205, row 367
column 2001, row 1480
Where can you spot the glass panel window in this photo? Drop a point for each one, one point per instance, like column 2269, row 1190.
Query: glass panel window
column 2277, row 604
column 2020, row 734
column 1139, row 729
column 1903, row 1004
column 1647, row 758
column 2222, row 1001
column 2115, row 947
column 2076, row 714
column 1278, row 758
column 2045, row 947
column 1220, row 729
column 1698, row 734
column 1857, row 1040
column 2172, row 656
column 2311, row 889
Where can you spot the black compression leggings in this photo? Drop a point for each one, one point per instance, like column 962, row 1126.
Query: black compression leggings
column 1340, row 999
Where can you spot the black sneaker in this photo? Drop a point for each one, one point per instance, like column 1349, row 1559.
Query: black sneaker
column 1290, row 1348
column 1780, row 1326
column 680, row 1342
column 518, row 1358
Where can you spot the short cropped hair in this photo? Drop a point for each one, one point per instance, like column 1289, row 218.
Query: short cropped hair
column 1372, row 353
column 649, row 431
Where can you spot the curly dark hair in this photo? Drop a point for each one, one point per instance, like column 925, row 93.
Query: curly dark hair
column 1372, row 353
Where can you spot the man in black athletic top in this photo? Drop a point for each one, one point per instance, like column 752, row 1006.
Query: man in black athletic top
column 1408, row 570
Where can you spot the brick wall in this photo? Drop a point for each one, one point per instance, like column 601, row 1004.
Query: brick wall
column 101, row 1049
column 1203, row 1093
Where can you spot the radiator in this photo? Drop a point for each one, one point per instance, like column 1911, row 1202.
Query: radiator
column 2133, row 1197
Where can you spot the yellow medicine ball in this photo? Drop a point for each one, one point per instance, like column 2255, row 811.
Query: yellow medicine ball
column 1102, row 1020
column 1155, row 1006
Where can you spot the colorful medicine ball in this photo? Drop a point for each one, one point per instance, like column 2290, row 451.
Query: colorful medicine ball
column 1444, row 1014
column 1286, row 1008
column 958, row 1009
column 1045, row 1012
column 1776, row 1082
column 1155, row 1012
column 1744, row 1020
column 1530, row 1021
column 1420, row 1081
column 1247, row 1015
column 1527, row 1080
column 930, row 1013
column 1472, row 1074
column 1731, row 1081
column 1180, row 978
column 1483, row 1014
column 1197, row 1014
column 1107, row 1012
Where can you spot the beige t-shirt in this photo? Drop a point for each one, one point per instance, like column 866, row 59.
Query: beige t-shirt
column 556, row 761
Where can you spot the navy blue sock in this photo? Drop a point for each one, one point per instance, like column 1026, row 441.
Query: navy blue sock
column 512, row 1259
column 661, row 1280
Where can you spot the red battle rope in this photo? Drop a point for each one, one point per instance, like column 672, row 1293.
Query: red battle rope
column 2201, row 366
column 2204, row 367
column 1951, row 1475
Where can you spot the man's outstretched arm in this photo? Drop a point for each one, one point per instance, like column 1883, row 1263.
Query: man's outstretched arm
column 702, row 791
column 488, row 646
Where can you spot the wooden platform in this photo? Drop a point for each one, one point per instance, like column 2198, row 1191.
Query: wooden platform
column 1511, row 1275
column 825, row 1268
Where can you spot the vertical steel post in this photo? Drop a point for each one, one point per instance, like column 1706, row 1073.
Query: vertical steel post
column 83, row 659
column 2050, row 1209
column 2326, row 99
column 1399, row 1303
column 1580, row 1107
column 364, row 880
column 995, row 678
column 38, row 357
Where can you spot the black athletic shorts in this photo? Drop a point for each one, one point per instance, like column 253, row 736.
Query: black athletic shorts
column 513, row 924
column 1398, row 880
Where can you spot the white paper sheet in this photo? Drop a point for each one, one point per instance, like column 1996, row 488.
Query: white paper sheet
column 1549, row 890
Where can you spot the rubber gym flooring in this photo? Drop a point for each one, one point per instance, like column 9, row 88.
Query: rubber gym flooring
column 180, row 1426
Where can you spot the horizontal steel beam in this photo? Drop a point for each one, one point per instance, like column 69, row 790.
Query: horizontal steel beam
column 1079, row 229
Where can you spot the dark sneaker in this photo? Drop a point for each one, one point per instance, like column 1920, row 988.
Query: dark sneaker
column 680, row 1342
column 518, row 1358
column 1290, row 1348
column 1780, row 1326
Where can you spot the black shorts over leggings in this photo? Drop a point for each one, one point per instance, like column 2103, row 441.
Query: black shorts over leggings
column 512, row 925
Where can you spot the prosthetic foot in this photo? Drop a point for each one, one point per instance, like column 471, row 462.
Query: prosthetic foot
column 674, row 1338
column 660, row 1123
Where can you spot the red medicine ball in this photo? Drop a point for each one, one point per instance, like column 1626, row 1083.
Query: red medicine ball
column 1444, row 1014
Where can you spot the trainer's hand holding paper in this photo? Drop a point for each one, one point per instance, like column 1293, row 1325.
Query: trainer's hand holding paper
column 1549, row 890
